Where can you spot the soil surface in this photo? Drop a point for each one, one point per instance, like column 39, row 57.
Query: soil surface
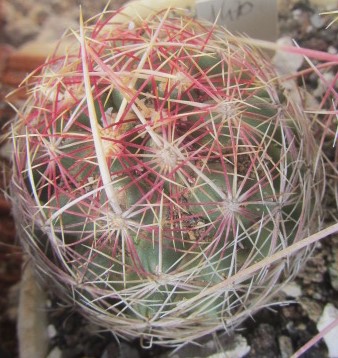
column 275, row 332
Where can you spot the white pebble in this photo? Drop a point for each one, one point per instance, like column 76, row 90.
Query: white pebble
column 51, row 331
column 317, row 21
column 330, row 313
column 292, row 289
column 297, row 14
column 332, row 50
column 285, row 62
column 55, row 353
column 323, row 84
column 239, row 350
column 131, row 25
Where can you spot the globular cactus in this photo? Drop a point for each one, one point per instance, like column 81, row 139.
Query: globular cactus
column 153, row 163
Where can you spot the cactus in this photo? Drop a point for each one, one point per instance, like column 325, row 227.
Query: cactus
column 153, row 163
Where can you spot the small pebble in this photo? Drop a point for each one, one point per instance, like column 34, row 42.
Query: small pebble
column 284, row 62
column 297, row 14
column 323, row 84
column 123, row 350
column 285, row 346
column 51, row 330
column 131, row 25
column 48, row 303
column 317, row 21
column 330, row 313
column 264, row 342
column 311, row 307
column 332, row 50
column 55, row 353
column 333, row 268
column 223, row 347
column 292, row 289
column 301, row 327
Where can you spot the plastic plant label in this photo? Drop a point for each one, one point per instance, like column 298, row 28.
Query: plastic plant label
column 254, row 18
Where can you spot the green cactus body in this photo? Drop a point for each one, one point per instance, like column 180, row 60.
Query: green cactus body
column 157, row 171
